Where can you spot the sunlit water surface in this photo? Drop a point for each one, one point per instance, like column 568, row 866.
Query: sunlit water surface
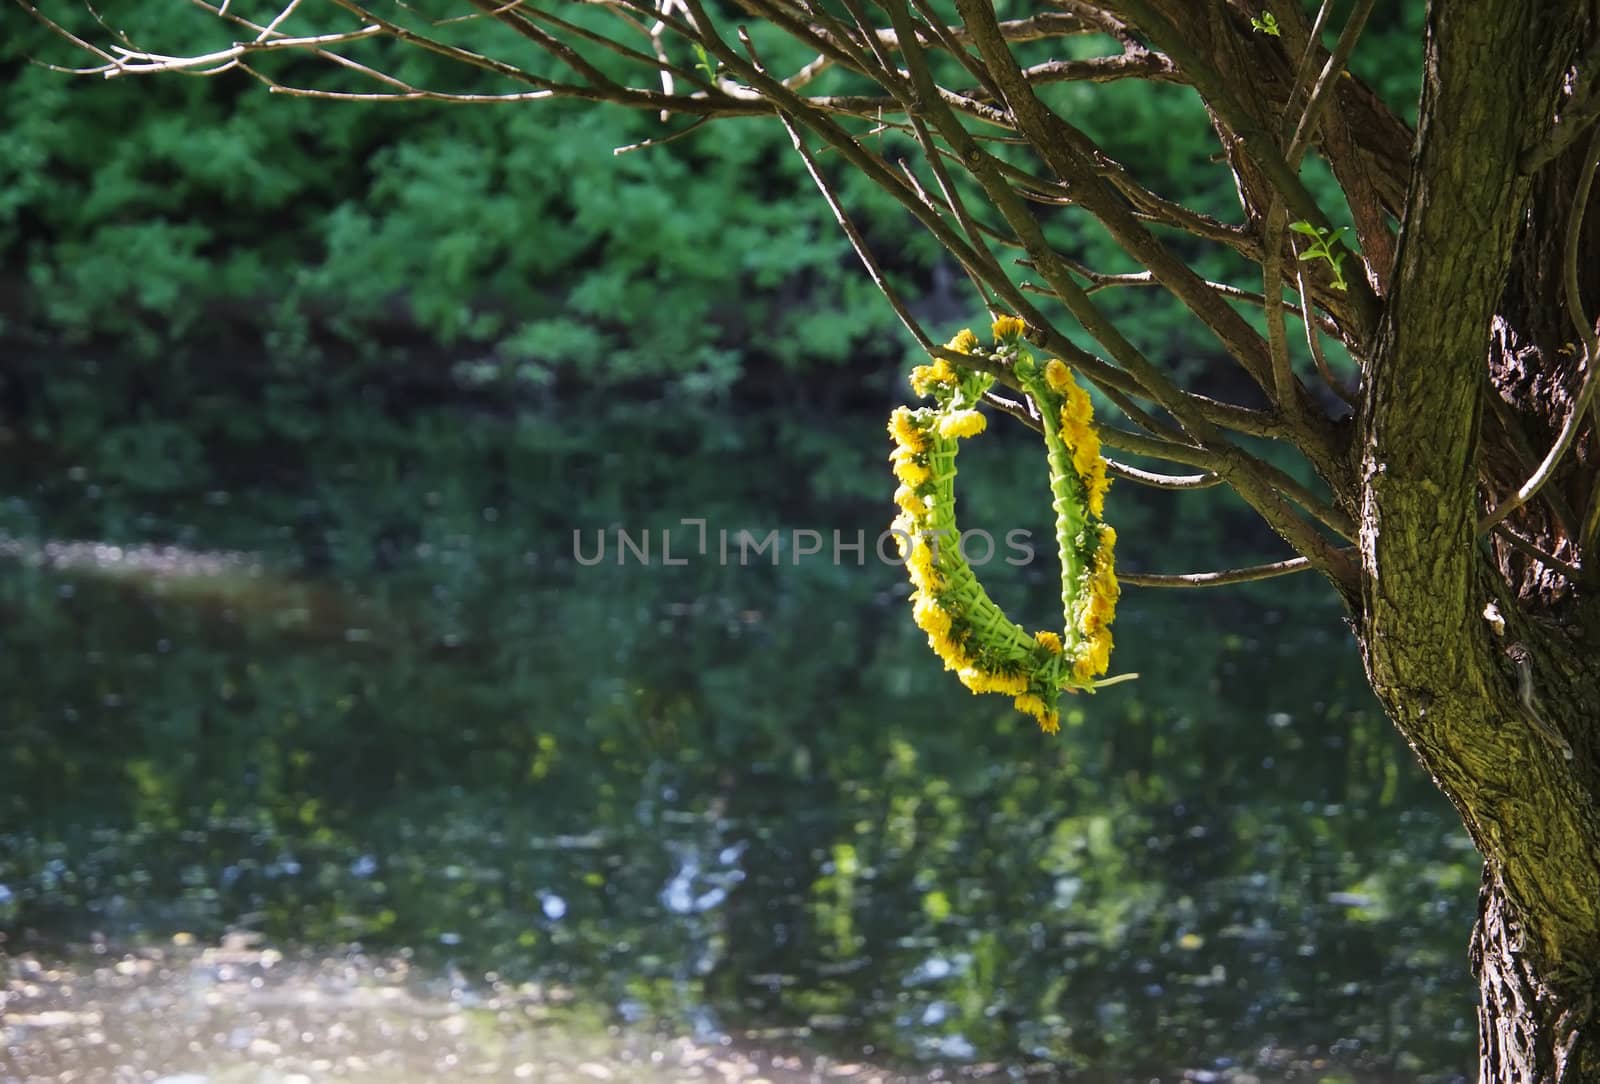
column 367, row 778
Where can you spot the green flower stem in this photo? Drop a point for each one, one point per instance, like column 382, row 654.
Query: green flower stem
column 997, row 637
column 1067, row 498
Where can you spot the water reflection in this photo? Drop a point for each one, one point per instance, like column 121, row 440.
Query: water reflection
column 231, row 1014
column 723, row 804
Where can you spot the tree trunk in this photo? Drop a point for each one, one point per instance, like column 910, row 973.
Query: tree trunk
column 1489, row 663
column 1530, row 811
column 1534, row 1023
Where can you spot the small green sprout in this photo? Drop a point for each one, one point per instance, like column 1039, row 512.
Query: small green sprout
column 1325, row 245
column 706, row 64
column 1267, row 24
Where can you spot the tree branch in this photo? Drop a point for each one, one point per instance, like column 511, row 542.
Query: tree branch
column 1259, row 144
column 1528, row 549
column 1215, row 579
column 1591, row 350
column 1207, row 480
column 1582, row 111
column 1322, row 92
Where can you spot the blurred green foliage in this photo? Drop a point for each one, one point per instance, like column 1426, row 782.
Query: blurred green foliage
column 171, row 215
column 177, row 214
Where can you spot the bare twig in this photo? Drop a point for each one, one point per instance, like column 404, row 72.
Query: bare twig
column 957, row 48
column 1526, row 459
column 396, row 96
column 1591, row 522
column 1133, row 64
column 1328, row 80
column 1528, row 549
column 969, row 224
column 1102, row 280
column 1172, row 451
column 1205, row 480
column 1150, row 207
column 1215, row 579
column 1313, row 340
column 1021, row 411
column 660, row 141
column 1017, row 409
column 1260, row 147
column 1286, row 388
column 1302, row 69
column 1080, row 165
column 857, row 242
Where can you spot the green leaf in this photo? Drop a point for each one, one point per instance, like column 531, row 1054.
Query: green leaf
column 706, row 64
column 1267, row 24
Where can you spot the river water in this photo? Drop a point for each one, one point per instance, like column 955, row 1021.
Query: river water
column 352, row 770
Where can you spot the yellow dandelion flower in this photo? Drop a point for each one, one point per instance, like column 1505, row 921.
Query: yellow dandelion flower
column 1073, row 431
column 1104, row 583
column 1049, row 640
column 903, row 427
column 907, row 469
column 1048, row 718
column 910, row 503
column 1078, row 404
column 1103, row 579
column 965, row 342
column 930, row 617
column 1098, row 613
column 925, row 377
column 912, row 474
column 982, row 681
column 921, row 568
column 1094, row 657
column 962, row 423
column 951, row 651
column 1007, row 328
column 1014, row 684
column 1101, row 650
column 1058, row 376
column 904, row 528
column 1098, row 483
column 1030, row 704
column 1086, row 455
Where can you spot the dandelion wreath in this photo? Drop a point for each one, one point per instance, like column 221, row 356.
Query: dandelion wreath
column 989, row 652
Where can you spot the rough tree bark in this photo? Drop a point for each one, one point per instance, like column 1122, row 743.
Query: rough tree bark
column 1447, row 674
column 1473, row 331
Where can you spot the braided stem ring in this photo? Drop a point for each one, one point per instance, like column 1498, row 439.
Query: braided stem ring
column 989, row 652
